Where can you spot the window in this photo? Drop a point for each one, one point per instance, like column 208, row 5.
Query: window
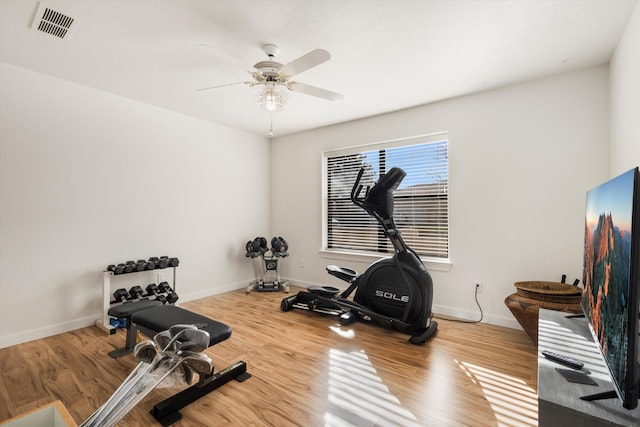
column 421, row 209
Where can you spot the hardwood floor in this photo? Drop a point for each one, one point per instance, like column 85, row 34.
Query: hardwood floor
column 307, row 371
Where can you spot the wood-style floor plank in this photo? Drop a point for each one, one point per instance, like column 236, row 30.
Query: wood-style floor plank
column 307, row 370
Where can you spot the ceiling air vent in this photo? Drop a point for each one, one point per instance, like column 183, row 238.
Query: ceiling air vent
column 53, row 22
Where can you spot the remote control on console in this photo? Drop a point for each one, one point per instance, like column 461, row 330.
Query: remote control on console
column 564, row 360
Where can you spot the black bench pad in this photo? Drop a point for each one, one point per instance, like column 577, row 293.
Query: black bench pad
column 128, row 308
column 161, row 318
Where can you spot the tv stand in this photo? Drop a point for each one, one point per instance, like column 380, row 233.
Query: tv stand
column 560, row 402
column 611, row 394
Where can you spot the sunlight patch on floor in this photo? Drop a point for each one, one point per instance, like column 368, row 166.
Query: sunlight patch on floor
column 349, row 333
column 513, row 402
column 358, row 397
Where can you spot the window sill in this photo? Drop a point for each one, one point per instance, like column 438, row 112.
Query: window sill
column 432, row 264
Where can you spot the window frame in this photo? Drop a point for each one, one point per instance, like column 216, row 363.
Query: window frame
column 433, row 263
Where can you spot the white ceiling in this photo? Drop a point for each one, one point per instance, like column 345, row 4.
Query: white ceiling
column 386, row 54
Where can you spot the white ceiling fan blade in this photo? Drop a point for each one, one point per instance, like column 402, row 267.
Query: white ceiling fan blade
column 228, row 58
column 310, row 60
column 228, row 84
column 315, row 91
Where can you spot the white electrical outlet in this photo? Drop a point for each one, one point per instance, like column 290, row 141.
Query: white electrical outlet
column 477, row 285
column 301, row 263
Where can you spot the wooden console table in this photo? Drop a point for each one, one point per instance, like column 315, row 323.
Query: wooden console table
column 559, row 401
column 52, row 415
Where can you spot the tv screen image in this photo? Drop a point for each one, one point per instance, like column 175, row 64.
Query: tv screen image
column 611, row 276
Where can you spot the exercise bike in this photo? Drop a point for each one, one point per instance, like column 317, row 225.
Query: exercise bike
column 395, row 292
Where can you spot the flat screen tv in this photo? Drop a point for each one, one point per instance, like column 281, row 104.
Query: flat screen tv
column 612, row 281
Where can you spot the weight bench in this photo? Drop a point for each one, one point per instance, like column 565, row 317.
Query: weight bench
column 151, row 317
column 125, row 311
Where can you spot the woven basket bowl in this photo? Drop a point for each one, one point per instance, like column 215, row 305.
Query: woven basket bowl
column 561, row 293
column 531, row 296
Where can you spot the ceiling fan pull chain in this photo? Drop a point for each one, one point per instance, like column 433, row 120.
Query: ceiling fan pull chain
column 270, row 125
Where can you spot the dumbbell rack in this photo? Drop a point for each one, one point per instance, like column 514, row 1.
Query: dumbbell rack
column 269, row 276
column 103, row 322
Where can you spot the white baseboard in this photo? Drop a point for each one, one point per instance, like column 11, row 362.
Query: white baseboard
column 50, row 330
column 34, row 334
column 474, row 316
column 439, row 309
column 191, row 296
column 304, row 285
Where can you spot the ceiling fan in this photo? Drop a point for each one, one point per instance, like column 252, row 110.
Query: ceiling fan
column 272, row 76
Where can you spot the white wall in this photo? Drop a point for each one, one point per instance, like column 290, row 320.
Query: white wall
column 88, row 179
column 625, row 99
column 521, row 161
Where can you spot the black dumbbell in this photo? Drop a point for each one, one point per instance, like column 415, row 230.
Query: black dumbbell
column 165, row 261
column 152, row 291
column 128, row 266
column 161, row 262
column 171, row 262
column 279, row 246
column 149, row 265
column 120, row 295
column 140, row 265
column 172, row 297
column 135, row 292
column 116, row 269
column 164, row 288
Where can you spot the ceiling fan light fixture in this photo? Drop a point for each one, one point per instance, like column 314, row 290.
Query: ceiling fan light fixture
column 271, row 98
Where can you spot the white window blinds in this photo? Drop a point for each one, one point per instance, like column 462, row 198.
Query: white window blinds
column 421, row 208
